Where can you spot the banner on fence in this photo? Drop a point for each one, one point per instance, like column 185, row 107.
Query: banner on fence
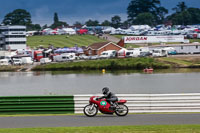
column 153, row 39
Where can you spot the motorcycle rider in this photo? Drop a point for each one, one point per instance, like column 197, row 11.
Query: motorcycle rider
column 109, row 96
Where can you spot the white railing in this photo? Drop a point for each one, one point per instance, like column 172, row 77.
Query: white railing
column 150, row 103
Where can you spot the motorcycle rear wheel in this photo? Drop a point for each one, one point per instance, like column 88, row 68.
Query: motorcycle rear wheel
column 90, row 112
column 121, row 110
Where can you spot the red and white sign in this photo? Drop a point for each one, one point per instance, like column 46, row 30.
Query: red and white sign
column 153, row 39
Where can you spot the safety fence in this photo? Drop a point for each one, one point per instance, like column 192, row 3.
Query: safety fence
column 137, row 103
column 150, row 103
column 36, row 104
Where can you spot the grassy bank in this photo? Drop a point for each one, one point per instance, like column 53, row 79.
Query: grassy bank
column 62, row 40
column 109, row 64
column 182, row 62
column 9, row 68
column 111, row 129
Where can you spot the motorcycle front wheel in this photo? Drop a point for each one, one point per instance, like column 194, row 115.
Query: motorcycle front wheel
column 90, row 110
column 121, row 110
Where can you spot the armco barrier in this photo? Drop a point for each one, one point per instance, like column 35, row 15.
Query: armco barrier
column 137, row 103
column 149, row 103
column 36, row 104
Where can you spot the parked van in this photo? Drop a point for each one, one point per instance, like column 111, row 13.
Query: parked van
column 17, row 61
column 27, row 60
column 159, row 53
column 65, row 57
column 108, row 54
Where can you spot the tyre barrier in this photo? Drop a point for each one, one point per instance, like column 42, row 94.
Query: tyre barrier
column 151, row 103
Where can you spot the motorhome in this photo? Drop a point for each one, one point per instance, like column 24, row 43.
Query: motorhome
column 65, row 57
column 159, row 53
column 108, row 54
column 133, row 52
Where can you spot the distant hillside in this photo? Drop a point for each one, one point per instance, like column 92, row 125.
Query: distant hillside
column 62, row 40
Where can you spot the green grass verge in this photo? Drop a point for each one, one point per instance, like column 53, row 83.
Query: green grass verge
column 108, row 64
column 111, row 129
column 176, row 61
column 9, row 68
column 62, row 40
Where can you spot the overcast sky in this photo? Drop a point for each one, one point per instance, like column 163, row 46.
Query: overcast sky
column 71, row 11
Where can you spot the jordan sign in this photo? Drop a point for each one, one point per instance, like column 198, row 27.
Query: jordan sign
column 153, row 39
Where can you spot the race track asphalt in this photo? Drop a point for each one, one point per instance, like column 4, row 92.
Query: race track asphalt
column 99, row 120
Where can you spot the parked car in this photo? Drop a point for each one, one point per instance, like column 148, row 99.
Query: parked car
column 170, row 50
column 145, row 54
column 83, row 57
column 94, row 57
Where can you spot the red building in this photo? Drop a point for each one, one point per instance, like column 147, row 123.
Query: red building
column 98, row 48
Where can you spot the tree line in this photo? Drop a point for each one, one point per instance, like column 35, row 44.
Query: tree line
column 139, row 12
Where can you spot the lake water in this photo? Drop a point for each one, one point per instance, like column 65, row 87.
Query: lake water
column 62, row 83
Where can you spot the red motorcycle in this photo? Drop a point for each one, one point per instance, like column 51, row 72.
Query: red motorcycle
column 103, row 106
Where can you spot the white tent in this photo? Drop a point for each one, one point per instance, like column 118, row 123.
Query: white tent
column 69, row 31
column 109, row 30
column 47, row 31
column 140, row 27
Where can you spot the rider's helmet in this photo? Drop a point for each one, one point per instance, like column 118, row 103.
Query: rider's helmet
column 105, row 90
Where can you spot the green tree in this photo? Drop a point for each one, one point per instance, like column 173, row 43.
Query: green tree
column 18, row 17
column 78, row 24
column 92, row 23
column 136, row 7
column 57, row 23
column 106, row 23
column 184, row 15
column 33, row 27
column 183, row 18
column 45, row 26
column 145, row 18
column 126, row 24
column 37, row 27
column 161, row 13
column 56, row 20
column 116, row 21
column 195, row 15
column 180, row 7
